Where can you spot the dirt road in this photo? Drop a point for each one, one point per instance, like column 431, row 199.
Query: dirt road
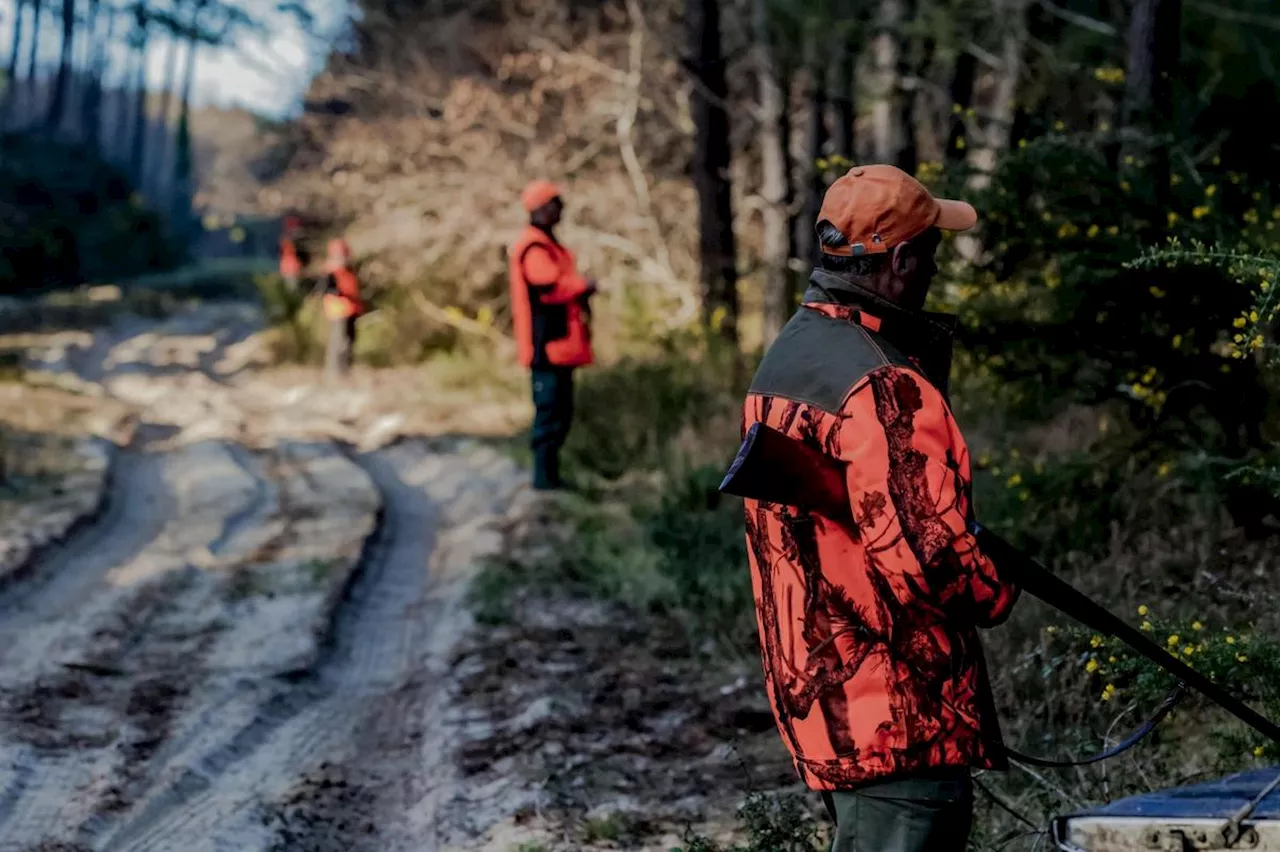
column 246, row 649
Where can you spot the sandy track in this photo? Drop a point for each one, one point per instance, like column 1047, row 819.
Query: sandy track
column 250, row 647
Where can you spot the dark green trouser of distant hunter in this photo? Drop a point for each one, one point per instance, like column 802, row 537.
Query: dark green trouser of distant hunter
column 553, row 405
column 922, row 813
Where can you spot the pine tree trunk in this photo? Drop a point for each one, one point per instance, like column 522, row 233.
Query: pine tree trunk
column 11, row 69
column 1155, row 41
column 36, row 9
column 775, row 180
column 998, row 127
column 887, row 53
column 711, row 165
column 812, row 182
column 182, row 181
column 62, row 85
column 962, row 79
column 93, row 97
column 89, row 30
column 844, row 60
column 138, row 141
column 170, row 83
column 906, row 156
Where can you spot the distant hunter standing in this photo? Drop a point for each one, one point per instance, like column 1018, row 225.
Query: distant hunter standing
column 292, row 260
column 549, row 301
column 342, row 308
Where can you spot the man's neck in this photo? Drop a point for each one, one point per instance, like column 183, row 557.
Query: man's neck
column 549, row 230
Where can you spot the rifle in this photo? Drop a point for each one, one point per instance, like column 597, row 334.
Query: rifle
column 775, row 468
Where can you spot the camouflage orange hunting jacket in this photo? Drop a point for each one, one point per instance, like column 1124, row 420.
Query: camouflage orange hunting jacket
column 869, row 635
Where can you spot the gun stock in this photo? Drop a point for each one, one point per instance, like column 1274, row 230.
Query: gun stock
column 774, row 468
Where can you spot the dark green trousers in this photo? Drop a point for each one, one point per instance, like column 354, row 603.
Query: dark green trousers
column 553, row 406
column 931, row 812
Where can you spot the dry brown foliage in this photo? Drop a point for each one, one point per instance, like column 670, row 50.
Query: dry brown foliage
column 419, row 139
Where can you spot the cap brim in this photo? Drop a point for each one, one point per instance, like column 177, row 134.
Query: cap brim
column 955, row 215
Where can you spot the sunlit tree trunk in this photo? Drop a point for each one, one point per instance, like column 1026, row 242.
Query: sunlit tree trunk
column 776, row 178
column 887, row 52
column 811, row 182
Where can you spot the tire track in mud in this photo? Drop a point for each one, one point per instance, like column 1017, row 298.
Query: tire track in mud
column 356, row 695
column 91, row 729
column 64, row 584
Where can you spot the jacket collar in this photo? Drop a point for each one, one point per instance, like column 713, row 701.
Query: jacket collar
column 926, row 338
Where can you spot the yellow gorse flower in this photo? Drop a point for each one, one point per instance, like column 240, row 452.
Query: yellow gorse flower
column 1143, row 610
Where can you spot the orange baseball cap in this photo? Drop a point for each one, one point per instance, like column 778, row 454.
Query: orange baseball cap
column 877, row 207
column 538, row 193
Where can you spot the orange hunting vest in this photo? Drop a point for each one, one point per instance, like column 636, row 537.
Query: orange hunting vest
column 546, row 303
column 290, row 265
column 345, row 302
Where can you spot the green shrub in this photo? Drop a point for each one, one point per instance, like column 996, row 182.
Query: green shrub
column 698, row 533
column 780, row 823
column 67, row 217
column 676, row 403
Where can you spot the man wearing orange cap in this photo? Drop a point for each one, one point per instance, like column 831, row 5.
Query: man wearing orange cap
column 549, row 301
column 869, row 630
column 342, row 307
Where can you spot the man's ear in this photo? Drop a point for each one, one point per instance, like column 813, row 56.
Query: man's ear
column 902, row 258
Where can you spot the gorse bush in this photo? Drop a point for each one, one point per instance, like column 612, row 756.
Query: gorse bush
column 1246, row 664
column 1058, row 304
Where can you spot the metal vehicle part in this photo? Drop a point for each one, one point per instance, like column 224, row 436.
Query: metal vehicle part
column 1239, row 812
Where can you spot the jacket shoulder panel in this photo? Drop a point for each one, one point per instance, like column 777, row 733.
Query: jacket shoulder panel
column 818, row 359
